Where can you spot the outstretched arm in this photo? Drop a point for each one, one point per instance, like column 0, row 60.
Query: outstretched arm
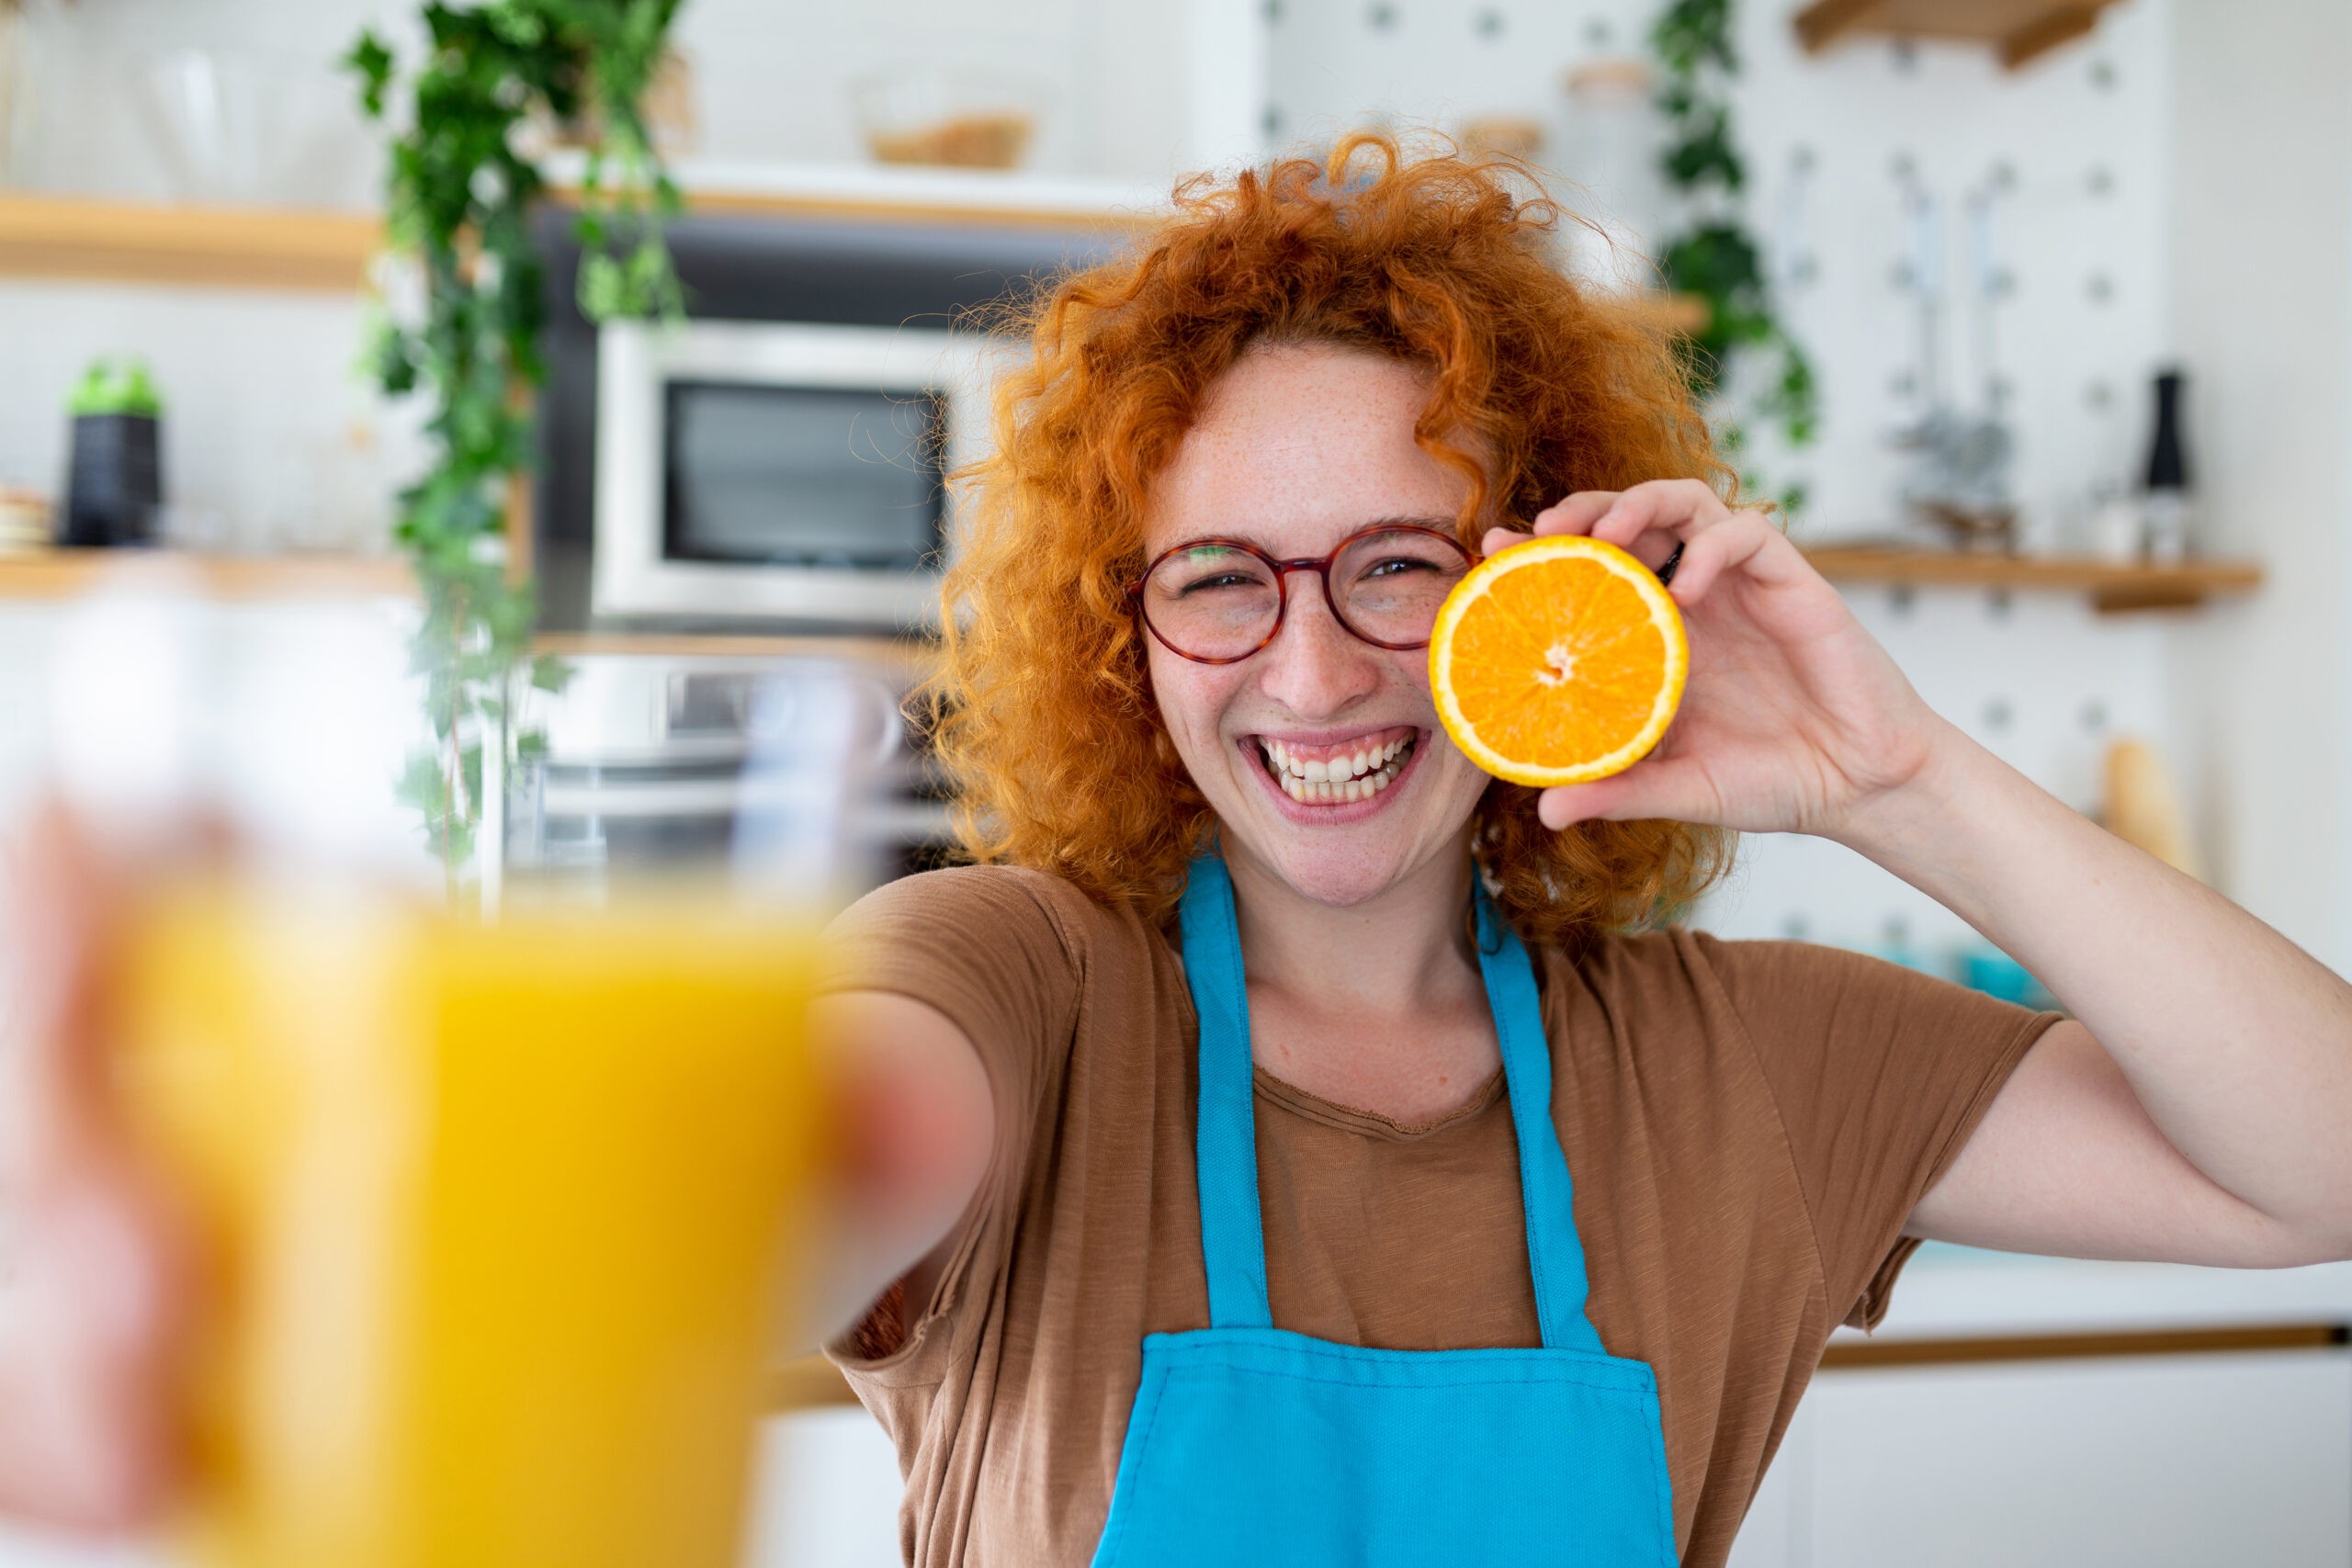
column 921, row 1119
column 2200, row 1109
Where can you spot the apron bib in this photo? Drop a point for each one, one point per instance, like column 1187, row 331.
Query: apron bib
column 1250, row 1444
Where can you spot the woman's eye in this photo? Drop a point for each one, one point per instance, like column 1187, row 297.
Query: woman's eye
column 1397, row 566
column 1222, row 580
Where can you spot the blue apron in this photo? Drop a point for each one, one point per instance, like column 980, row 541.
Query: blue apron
column 1250, row 1444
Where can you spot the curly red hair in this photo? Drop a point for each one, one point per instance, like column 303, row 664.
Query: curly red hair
column 1539, row 387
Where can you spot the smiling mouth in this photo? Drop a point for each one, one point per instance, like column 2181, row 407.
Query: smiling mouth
column 1323, row 775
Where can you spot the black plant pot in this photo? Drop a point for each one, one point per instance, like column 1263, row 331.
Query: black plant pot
column 115, row 482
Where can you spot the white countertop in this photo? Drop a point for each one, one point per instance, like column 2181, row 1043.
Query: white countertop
column 1960, row 1293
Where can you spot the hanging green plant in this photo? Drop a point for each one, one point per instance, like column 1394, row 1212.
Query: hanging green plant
column 1714, row 256
column 460, row 187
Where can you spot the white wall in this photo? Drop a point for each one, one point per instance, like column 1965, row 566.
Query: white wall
column 2262, row 315
column 772, row 78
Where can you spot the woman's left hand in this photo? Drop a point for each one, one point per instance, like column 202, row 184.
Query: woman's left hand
column 1794, row 720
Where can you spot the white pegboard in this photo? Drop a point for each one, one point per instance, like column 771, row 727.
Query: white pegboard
column 2076, row 142
column 2075, row 151
column 2042, row 682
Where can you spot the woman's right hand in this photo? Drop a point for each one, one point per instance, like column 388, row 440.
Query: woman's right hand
column 94, row 1277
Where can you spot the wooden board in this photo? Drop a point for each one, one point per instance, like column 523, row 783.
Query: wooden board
column 60, row 574
column 1686, row 315
column 811, row 1380
column 1899, row 1352
column 914, row 655
column 2112, row 586
column 43, row 236
column 2019, row 31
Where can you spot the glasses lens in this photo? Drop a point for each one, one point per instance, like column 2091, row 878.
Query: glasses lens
column 1389, row 585
column 1212, row 602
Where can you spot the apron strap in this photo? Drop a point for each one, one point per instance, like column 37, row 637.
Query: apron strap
column 1555, row 1255
column 1233, row 1238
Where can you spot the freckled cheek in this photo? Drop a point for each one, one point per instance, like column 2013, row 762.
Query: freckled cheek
column 1192, row 700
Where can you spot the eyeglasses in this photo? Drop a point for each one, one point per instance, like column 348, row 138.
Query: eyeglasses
column 1219, row 601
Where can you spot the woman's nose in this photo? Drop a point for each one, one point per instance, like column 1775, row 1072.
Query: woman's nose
column 1315, row 667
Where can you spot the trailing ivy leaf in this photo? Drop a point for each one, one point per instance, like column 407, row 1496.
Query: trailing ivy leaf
column 603, row 288
column 459, row 199
column 1715, row 258
column 1706, row 153
column 371, row 60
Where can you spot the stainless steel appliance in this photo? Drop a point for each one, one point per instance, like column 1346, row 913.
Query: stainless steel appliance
column 773, row 463
column 790, row 774
column 783, row 470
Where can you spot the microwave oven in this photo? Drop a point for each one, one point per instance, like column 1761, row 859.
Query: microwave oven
column 782, row 471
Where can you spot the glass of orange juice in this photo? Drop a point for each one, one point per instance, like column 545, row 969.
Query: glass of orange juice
column 500, row 1221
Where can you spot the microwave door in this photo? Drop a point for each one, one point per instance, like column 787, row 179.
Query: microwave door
column 813, row 477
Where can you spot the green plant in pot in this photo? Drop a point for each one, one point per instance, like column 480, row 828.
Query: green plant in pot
column 115, row 473
column 461, row 185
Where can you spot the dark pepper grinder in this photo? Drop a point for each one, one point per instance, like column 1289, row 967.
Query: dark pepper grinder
column 2165, row 510
column 113, row 484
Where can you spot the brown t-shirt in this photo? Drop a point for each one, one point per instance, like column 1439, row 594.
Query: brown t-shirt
column 1748, row 1125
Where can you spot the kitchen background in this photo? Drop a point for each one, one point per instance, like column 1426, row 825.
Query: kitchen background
column 1986, row 263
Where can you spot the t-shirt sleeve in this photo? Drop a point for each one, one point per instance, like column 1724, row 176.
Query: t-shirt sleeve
column 1880, row 1075
column 983, row 945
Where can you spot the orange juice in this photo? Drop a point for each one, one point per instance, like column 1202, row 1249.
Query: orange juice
column 500, row 1222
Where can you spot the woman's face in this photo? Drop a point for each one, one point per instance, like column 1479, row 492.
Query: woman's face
column 1298, row 447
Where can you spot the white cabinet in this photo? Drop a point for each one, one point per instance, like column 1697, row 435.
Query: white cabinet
column 825, row 1492
column 2154, row 1462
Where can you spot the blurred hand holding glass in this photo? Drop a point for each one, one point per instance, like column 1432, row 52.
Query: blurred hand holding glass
column 499, row 1221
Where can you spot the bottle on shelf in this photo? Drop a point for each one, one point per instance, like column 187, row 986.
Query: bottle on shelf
column 2165, row 505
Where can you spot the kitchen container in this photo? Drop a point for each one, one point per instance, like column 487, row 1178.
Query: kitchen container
column 1608, row 159
column 252, row 130
column 949, row 117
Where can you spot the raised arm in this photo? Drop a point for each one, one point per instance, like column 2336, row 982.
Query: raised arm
column 2200, row 1109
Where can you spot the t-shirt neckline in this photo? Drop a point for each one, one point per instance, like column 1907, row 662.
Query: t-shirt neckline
column 1372, row 1124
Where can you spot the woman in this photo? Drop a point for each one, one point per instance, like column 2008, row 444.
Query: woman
column 1321, row 1157
column 1756, row 1133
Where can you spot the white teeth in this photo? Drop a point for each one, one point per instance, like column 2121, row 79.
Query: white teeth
column 1337, row 781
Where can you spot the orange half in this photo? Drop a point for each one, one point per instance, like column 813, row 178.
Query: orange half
column 1557, row 661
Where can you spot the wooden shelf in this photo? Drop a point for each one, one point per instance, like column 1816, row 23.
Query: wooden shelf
column 914, row 655
column 119, row 241
column 900, row 194
column 808, row 1381
column 2019, row 31
column 62, row 574
column 1685, row 315
column 45, row 236
column 2112, row 587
